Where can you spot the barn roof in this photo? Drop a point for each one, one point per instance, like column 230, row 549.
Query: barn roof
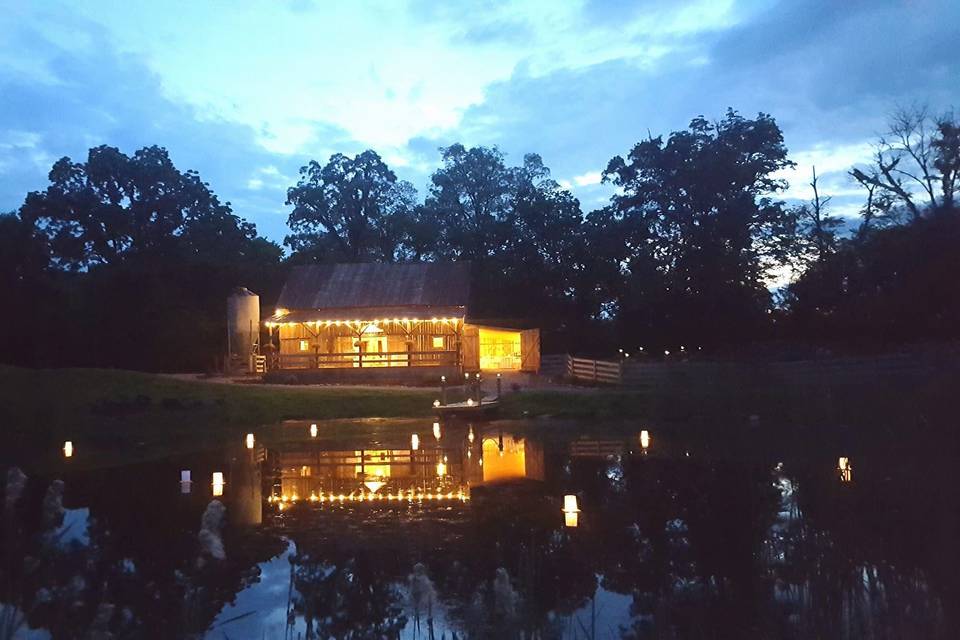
column 420, row 285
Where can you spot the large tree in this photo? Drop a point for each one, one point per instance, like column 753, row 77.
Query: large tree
column 139, row 255
column 520, row 228
column 701, row 230
column 350, row 209
column 114, row 206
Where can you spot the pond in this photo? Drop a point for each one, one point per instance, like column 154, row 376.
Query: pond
column 514, row 529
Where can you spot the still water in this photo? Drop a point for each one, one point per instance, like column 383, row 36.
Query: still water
column 511, row 530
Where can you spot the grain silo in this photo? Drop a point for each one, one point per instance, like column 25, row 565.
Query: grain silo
column 243, row 327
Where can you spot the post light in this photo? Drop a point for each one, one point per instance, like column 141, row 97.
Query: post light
column 665, row 352
column 682, row 348
column 436, row 430
column 68, row 449
column 499, row 386
column 443, row 390
column 443, row 378
column 469, row 402
column 645, row 439
column 414, row 442
column 470, row 435
column 249, row 441
column 466, row 376
column 639, row 348
column 313, row 430
column 626, row 355
column 218, row 483
column 436, row 404
column 571, row 511
column 621, row 350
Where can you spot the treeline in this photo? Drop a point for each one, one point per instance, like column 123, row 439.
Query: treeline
column 126, row 261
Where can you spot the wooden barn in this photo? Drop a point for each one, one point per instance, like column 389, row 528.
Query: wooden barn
column 397, row 321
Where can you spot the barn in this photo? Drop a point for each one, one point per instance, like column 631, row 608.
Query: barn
column 409, row 321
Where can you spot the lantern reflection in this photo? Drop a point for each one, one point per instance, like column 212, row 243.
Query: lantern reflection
column 68, row 449
column 218, row 483
column 844, row 469
column 571, row 511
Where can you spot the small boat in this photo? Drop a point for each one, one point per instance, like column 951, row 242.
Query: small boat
column 486, row 405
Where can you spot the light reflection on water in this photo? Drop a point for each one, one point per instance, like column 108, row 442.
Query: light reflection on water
column 513, row 532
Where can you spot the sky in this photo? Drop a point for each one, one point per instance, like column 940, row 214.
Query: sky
column 248, row 92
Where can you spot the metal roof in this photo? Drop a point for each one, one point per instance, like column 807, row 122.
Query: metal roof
column 377, row 285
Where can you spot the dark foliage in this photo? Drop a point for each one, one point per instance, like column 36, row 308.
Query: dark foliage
column 126, row 261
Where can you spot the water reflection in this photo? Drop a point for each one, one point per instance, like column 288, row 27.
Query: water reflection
column 507, row 530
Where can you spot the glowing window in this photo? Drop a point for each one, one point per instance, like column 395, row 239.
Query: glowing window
column 304, row 345
column 438, row 342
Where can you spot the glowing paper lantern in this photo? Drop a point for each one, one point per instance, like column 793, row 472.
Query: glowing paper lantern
column 313, row 430
column 436, row 430
column 249, row 441
column 645, row 439
column 845, row 469
column 218, row 483
column 68, row 449
column 414, row 442
column 571, row 511
column 441, row 469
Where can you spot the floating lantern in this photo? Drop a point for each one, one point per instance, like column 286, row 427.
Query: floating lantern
column 218, row 483
column 436, row 430
column 844, row 469
column 68, row 449
column 571, row 511
column 313, row 430
column 249, row 441
column 414, row 442
column 645, row 439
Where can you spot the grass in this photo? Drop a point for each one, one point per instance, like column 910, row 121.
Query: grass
column 146, row 415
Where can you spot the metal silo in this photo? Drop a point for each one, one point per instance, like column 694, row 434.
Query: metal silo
column 243, row 327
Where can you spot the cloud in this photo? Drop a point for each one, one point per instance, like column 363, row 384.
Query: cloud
column 234, row 92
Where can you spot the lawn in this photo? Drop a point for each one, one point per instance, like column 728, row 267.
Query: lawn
column 147, row 415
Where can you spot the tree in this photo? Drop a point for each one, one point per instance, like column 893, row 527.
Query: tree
column 351, row 209
column 700, row 229
column 520, row 228
column 470, row 202
column 121, row 242
column 818, row 228
column 115, row 206
column 918, row 154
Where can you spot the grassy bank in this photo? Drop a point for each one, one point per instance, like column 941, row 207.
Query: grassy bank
column 112, row 410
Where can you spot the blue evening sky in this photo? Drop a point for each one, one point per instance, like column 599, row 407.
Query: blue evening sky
column 246, row 92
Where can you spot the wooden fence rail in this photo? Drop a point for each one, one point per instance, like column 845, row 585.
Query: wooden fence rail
column 658, row 374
